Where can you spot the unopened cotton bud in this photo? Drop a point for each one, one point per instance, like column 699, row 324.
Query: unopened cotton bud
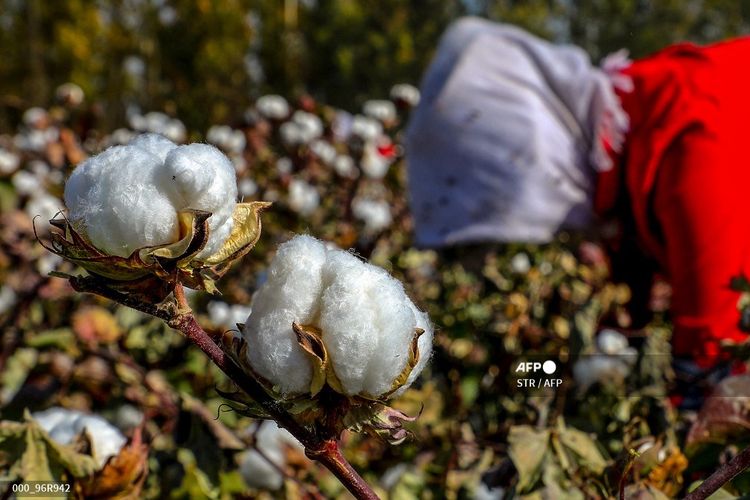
column 381, row 110
column 64, row 425
column 273, row 106
column 406, row 93
column 366, row 320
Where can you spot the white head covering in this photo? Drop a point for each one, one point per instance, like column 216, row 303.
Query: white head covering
column 508, row 136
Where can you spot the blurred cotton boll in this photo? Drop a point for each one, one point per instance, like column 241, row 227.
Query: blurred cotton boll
column 64, row 425
column 366, row 128
column 406, row 93
column 45, row 206
column 284, row 165
column 324, row 151
column 380, row 109
column 228, row 139
column 310, row 126
column 261, row 467
column 8, row 298
column 520, row 263
column 345, row 167
column 247, row 187
column 227, row 315
column 303, row 198
column 374, row 164
column 69, row 94
column 26, row 183
column 9, row 162
column 273, row 106
column 611, row 362
column 366, row 322
column 376, row 214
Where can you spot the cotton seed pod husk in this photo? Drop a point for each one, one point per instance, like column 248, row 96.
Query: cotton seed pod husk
column 170, row 263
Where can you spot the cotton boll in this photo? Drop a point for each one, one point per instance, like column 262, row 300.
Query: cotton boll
column 342, row 126
column 381, row 110
column 324, row 150
column 273, row 106
column 367, row 324
column 64, row 425
column 310, row 126
column 226, row 315
column 284, row 166
column 406, row 93
column 9, row 162
column 375, row 214
column 69, row 94
column 35, row 117
column 344, row 166
column 598, row 368
column 366, row 128
column 374, row 165
column 611, row 342
column 175, row 130
column 45, row 206
column 218, row 134
column 259, row 467
column 156, row 144
column 26, row 183
column 290, row 294
column 113, row 197
column 303, row 198
column 120, row 136
column 201, row 177
column 48, row 263
column 424, row 345
column 291, row 134
column 520, row 263
column 247, row 187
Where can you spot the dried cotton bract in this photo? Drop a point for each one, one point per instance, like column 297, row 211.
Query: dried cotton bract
column 356, row 329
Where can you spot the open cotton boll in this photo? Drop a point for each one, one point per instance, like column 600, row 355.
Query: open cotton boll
column 376, row 214
column 366, row 128
column 44, row 205
column 64, row 425
column 310, row 126
column 114, row 197
column 201, row 177
column 9, row 161
column 366, row 320
column 290, row 294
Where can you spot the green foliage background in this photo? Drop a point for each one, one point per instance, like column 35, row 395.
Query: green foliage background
column 202, row 58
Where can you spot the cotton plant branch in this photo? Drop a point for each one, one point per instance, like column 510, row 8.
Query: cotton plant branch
column 322, row 446
column 721, row 476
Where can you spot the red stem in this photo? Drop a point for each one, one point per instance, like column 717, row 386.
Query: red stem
column 721, row 476
column 323, row 449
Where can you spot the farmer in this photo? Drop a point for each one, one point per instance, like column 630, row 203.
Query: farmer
column 516, row 138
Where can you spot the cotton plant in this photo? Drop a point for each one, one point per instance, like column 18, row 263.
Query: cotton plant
column 328, row 341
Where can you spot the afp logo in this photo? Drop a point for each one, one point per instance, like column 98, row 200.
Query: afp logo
column 549, row 367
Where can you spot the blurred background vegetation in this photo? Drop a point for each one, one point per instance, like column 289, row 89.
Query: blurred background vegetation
column 205, row 61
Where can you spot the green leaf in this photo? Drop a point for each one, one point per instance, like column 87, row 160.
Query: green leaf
column 528, row 449
column 584, row 448
column 15, row 373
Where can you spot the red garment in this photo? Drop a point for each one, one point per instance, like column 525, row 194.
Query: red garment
column 686, row 171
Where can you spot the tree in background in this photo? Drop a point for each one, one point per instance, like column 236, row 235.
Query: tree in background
column 206, row 61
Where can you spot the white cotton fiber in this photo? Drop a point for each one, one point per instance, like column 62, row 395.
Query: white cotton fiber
column 199, row 176
column 128, row 196
column 114, row 196
column 64, row 425
column 367, row 320
column 290, row 294
column 156, row 144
